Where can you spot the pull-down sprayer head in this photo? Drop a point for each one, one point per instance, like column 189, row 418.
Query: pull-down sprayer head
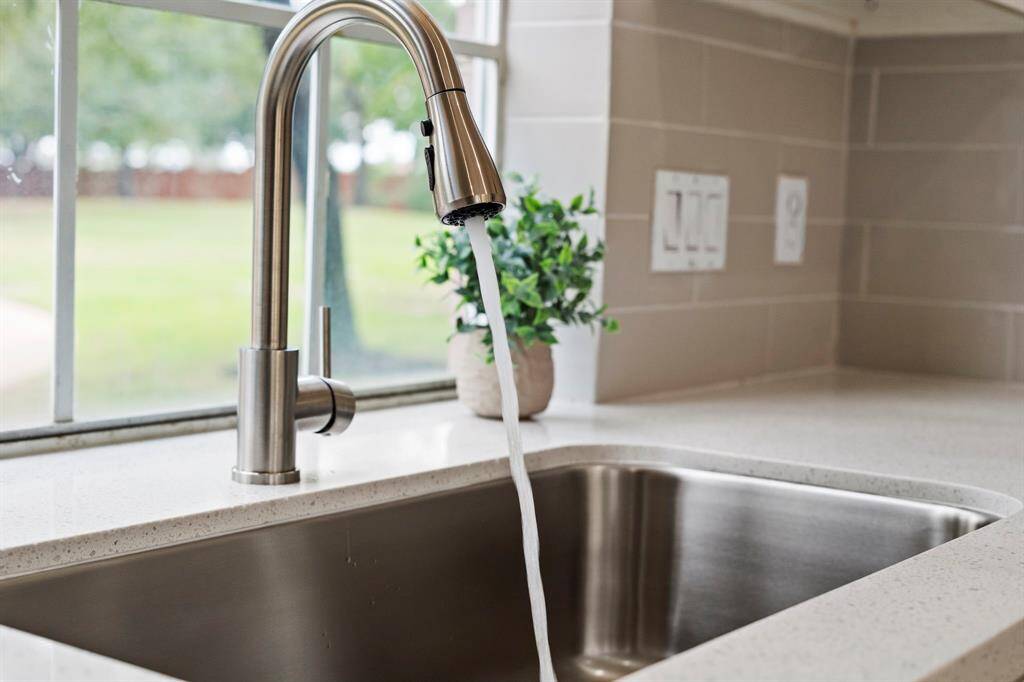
column 462, row 175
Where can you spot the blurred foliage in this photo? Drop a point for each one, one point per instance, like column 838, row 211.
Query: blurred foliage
column 150, row 76
column 544, row 260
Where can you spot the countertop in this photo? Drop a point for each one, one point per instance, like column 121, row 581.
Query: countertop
column 955, row 612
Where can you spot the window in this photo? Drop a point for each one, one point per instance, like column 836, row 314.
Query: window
column 125, row 289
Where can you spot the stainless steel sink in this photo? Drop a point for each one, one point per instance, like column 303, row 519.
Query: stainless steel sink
column 640, row 562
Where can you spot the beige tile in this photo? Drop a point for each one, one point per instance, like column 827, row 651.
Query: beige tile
column 538, row 147
column 979, row 107
column 750, row 92
column 820, row 46
column 826, row 174
column 940, row 51
column 558, row 70
column 964, row 265
column 860, row 107
column 851, row 254
column 920, row 338
column 750, row 270
column 663, row 350
column 655, row 77
column 635, row 152
column 946, row 185
column 562, row 10
column 802, row 335
column 1018, row 347
column 705, row 19
column 628, row 280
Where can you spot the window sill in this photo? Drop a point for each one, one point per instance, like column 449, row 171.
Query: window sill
column 74, row 435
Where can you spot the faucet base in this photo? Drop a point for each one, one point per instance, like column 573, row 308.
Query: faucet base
column 265, row 477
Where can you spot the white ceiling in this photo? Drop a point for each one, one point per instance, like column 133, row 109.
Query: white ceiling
column 879, row 18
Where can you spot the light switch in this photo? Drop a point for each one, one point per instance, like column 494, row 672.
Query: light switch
column 714, row 231
column 790, row 219
column 688, row 227
column 691, row 221
column 672, row 234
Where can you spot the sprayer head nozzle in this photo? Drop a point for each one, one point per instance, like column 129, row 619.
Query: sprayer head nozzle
column 466, row 182
column 460, row 215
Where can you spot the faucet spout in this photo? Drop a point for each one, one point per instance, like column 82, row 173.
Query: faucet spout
column 461, row 174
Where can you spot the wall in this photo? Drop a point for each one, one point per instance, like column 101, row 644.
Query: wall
column 933, row 259
column 701, row 87
column 556, row 127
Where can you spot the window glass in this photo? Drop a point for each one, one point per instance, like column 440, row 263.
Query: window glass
column 164, row 237
column 389, row 325
column 26, row 218
column 467, row 19
column 164, row 207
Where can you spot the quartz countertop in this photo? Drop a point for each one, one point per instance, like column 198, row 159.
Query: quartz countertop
column 955, row 612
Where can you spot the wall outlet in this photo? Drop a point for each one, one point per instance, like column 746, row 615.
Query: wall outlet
column 690, row 222
column 790, row 220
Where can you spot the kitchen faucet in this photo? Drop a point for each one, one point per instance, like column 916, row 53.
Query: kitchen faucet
column 273, row 400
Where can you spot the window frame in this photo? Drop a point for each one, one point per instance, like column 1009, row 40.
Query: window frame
column 64, row 431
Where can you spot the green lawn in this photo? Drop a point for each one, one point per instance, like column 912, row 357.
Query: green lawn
column 163, row 293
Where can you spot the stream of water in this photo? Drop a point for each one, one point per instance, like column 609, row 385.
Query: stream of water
column 510, row 415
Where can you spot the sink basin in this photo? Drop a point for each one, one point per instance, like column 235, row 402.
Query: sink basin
column 639, row 561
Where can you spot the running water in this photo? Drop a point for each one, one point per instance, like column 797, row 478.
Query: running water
column 510, row 415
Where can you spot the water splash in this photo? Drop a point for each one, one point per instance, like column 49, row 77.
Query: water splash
column 510, row 415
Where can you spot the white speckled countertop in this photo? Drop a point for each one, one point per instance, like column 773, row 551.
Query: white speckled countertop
column 953, row 613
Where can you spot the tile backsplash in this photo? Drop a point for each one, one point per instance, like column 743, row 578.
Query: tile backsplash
column 933, row 261
column 700, row 87
column 914, row 154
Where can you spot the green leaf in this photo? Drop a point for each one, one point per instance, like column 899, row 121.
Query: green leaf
column 543, row 258
column 565, row 255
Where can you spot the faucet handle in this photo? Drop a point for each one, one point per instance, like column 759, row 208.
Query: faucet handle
column 325, row 341
column 323, row 404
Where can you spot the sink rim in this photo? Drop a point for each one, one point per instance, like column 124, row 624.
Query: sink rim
column 219, row 521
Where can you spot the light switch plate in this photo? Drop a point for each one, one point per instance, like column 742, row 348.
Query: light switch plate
column 690, row 221
column 790, row 219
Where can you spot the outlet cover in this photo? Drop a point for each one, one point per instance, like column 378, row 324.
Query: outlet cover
column 790, row 219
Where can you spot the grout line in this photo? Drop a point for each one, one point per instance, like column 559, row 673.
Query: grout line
column 929, row 146
column 705, row 60
column 935, row 302
column 1020, row 185
column 737, row 219
column 738, row 47
column 844, row 159
column 942, row 68
column 835, row 332
column 865, row 260
column 729, row 132
column 820, row 221
column 732, row 384
column 872, row 108
column 724, row 303
column 941, row 225
column 1010, row 333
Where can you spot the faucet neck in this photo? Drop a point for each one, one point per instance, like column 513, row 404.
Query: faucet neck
column 416, row 31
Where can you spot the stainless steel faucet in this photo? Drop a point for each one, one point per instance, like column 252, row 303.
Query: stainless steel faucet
column 273, row 401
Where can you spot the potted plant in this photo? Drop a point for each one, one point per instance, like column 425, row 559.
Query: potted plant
column 545, row 264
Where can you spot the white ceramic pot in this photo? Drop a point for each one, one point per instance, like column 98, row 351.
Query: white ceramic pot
column 476, row 382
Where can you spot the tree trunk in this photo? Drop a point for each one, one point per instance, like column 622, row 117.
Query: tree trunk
column 344, row 336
